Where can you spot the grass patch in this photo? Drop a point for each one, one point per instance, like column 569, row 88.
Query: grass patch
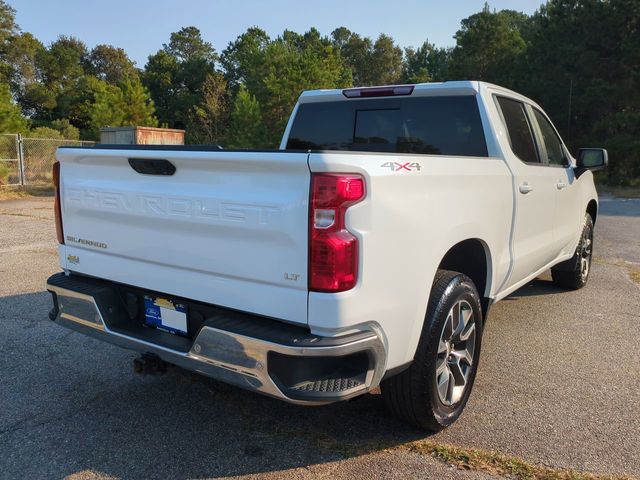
column 634, row 274
column 495, row 463
column 490, row 462
column 16, row 193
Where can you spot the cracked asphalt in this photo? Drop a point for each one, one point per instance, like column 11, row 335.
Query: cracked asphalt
column 558, row 385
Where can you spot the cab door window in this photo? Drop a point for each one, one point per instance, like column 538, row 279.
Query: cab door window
column 518, row 129
column 552, row 144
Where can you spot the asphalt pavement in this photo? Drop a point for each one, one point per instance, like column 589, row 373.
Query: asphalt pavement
column 558, row 385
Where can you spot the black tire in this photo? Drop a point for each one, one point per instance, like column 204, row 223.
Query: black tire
column 413, row 395
column 574, row 273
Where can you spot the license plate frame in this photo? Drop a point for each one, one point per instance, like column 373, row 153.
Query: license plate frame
column 166, row 315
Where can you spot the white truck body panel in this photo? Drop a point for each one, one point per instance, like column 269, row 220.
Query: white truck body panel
column 231, row 228
column 403, row 238
column 227, row 228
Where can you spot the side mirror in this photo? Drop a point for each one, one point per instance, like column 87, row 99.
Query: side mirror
column 593, row 159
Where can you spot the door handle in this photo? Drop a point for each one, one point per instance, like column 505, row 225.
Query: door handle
column 561, row 185
column 525, row 188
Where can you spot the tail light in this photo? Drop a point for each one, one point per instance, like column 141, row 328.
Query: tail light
column 333, row 250
column 57, row 206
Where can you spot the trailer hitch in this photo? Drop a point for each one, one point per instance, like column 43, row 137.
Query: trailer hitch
column 150, row 364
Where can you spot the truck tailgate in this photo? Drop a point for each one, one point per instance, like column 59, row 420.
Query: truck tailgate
column 227, row 228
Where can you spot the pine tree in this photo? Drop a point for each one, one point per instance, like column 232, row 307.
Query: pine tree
column 247, row 129
column 11, row 119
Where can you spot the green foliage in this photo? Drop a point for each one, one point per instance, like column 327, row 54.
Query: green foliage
column 591, row 50
column 371, row 63
column 247, row 126
column 11, row 119
column 209, row 119
column 64, row 127
column 8, row 26
column 110, row 64
column 20, row 56
column 580, row 59
column 175, row 76
column 62, row 64
column 138, row 108
column 277, row 71
column 125, row 105
column 488, row 46
column 425, row 64
column 292, row 64
column 45, row 132
column 187, row 44
column 243, row 57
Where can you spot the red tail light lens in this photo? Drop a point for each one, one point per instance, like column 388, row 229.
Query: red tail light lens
column 57, row 206
column 333, row 250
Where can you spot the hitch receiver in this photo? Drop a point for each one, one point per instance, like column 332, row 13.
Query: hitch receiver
column 150, row 364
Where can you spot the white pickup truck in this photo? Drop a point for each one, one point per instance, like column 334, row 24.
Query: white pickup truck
column 365, row 252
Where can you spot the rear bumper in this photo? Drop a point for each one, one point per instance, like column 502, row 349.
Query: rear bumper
column 251, row 352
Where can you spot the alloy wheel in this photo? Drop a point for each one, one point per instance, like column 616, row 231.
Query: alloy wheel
column 455, row 352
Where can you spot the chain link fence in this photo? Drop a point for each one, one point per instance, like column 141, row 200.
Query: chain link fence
column 28, row 161
column 10, row 173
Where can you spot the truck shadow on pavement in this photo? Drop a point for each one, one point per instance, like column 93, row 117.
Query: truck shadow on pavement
column 537, row 287
column 72, row 405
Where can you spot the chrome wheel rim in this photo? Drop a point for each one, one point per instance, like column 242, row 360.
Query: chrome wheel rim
column 455, row 353
column 585, row 252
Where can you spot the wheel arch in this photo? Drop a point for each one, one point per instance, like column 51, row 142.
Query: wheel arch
column 472, row 257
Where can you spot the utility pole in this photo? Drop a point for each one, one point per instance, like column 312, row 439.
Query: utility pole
column 569, row 116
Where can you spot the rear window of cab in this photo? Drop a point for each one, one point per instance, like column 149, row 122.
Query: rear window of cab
column 447, row 125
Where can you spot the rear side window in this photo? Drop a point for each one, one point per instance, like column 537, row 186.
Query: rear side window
column 519, row 130
column 424, row 125
column 552, row 143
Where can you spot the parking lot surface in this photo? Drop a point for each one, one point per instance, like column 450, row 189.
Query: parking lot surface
column 558, row 385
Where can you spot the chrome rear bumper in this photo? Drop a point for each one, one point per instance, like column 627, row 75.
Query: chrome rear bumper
column 283, row 369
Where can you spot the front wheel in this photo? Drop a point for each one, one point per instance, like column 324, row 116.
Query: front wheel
column 574, row 273
column 433, row 391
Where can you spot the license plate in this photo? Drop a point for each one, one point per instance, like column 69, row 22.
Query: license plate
column 165, row 315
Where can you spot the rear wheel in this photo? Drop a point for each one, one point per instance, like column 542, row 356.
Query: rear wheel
column 433, row 391
column 574, row 273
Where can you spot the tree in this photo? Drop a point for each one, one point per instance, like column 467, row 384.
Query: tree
column 63, row 62
column 138, row 108
column 22, row 51
column 587, row 53
column 8, row 28
column 64, row 127
column 160, row 77
column 94, row 104
column 247, row 129
column 356, row 52
column 110, row 64
column 290, row 65
column 187, row 44
column 175, row 75
column 489, row 46
column 11, row 119
column 209, row 119
column 386, row 62
column 371, row 63
column 243, row 57
column 425, row 64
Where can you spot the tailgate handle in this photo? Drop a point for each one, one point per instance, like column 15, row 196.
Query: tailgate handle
column 152, row 166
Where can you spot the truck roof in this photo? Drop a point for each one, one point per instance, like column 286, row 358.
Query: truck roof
column 458, row 87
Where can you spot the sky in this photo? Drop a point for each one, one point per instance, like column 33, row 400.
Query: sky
column 142, row 26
